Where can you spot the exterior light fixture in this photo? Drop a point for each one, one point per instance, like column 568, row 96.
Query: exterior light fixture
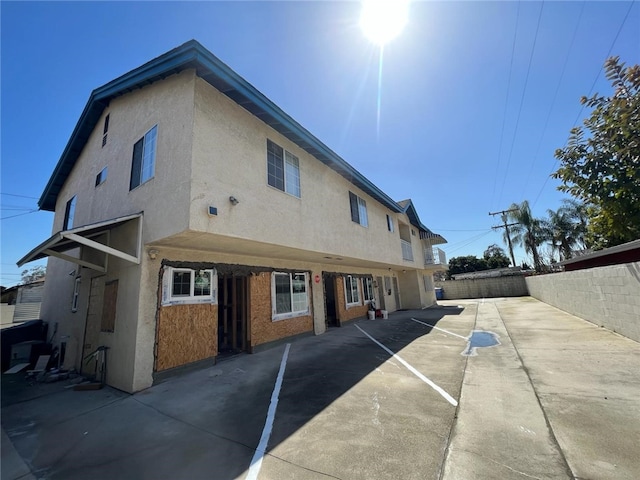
column 233, row 200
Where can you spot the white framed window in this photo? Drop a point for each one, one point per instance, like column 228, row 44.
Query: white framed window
column 367, row 289
column 101, row 177
column 387, row 285
column 76, row 294
column 358, row 210
column 389, row 223
column 187, row 286
column 143, row 162
column 351, row 290
column 283, row 169
column 70, row 213
column 289, row 295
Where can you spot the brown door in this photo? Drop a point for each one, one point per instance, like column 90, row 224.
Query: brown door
column 92, row 324
column 380, row 293
column 233, row 313
column 396, row 292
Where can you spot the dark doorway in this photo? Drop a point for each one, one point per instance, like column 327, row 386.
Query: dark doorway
column 233, row 314
column 331, row 312
column 381, row 304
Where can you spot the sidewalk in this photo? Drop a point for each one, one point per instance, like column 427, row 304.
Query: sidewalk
column 559, row 399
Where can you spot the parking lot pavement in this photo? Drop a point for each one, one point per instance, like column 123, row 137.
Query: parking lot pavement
column 529, row 407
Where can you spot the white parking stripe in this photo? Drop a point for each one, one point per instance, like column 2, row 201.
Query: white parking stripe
column 466, row 339
column 256, row 461
column 446, row 396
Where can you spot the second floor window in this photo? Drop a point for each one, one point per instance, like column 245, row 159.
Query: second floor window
column 69, row 213
column 144, row 158
column 283, row 169
column 358, row 209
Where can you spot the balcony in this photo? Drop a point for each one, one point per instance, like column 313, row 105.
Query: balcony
column 407, row 251
column 434, row 256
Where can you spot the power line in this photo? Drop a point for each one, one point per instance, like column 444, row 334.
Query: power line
column 593, row 85
column 506, row 103
column 19, row 214
column 471, row 240
column 503, row 214
column 16, row 195
column 524, row 91
column 555, row 96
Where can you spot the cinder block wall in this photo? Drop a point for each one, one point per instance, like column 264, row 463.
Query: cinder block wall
column 607, row 296
column 513, row 286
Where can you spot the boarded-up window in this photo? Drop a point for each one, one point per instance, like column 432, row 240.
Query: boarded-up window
column 109, row 306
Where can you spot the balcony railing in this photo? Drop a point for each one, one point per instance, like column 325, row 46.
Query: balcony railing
column 407, row 251
column 434, row 256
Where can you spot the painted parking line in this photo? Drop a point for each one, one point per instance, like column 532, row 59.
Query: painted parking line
column 466, row 339
column 256, row 461
column 438, row 389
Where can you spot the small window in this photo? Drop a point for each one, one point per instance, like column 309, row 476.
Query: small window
column 105, row 130
column 389, row 223
column 283, row 169
column 185, row 286
column 413, row 232
column 289, row 295
column 101, row 177
column 76, row 295
column 352, row 291
column 387, row 285
column 358, row 209
column 144, row 159
column 69, row 213
column 367, row 289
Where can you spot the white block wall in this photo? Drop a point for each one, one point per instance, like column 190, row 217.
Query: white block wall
column 607, row 296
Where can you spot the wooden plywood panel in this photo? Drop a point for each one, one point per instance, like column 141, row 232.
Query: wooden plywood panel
column 186, row 333
column 263, row 329
column 108, row 323
column 344, row 313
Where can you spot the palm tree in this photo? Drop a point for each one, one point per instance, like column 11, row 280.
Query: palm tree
column 577, row 213
column 527, row 232
column 560, row 231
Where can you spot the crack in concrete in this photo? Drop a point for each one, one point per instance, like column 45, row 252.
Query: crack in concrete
column 498, row 463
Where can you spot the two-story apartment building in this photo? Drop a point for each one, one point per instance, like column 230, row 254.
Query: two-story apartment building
column 193, row 217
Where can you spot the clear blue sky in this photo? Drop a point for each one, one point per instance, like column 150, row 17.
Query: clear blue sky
column 475, row 97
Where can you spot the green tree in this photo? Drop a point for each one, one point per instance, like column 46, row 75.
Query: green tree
column 496, row 257
column 34, row 273
column 466, row 264
column 529, row 231
column 603, row 170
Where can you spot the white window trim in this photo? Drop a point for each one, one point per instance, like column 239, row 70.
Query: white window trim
column 283, row 316
column 167, row 288
column 364, row 290
column 76, row 294
column 358, row 290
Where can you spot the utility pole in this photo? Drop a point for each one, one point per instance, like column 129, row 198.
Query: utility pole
column 506, row 226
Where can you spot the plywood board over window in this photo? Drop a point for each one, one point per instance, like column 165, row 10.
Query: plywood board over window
column 110, row 299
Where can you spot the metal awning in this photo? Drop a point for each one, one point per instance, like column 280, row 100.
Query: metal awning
column 84, row 237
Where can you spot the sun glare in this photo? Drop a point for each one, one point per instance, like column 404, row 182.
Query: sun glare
column 383, row 20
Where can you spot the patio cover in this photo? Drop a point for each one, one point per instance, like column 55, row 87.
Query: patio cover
column 66, row 240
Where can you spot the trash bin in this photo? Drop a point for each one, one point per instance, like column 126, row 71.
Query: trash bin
column 439, row 293
column 385, row 314
column 372, row 314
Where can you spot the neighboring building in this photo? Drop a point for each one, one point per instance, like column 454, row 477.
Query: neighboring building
column 28, row 301
column 625, row 253
column 193, row 217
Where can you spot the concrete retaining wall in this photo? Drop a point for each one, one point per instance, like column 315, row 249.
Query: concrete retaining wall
column 607, row 296
column 512, row 286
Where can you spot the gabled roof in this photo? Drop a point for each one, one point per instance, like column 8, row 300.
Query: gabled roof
column 410, row 211
column 192, row 55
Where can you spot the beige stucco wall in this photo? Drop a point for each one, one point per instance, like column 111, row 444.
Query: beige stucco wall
column 229, row 159
column 164, row 199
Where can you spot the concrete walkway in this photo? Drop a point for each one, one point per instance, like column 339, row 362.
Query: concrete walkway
column 559, row 399
column 556, row 398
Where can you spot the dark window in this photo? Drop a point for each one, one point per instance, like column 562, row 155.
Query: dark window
column 389, row 223
column 181, row 283
column 144, row 159
column 101, row 177
column 105, row 130
column 358, row 209
column 283, row 169
column 69, row 214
